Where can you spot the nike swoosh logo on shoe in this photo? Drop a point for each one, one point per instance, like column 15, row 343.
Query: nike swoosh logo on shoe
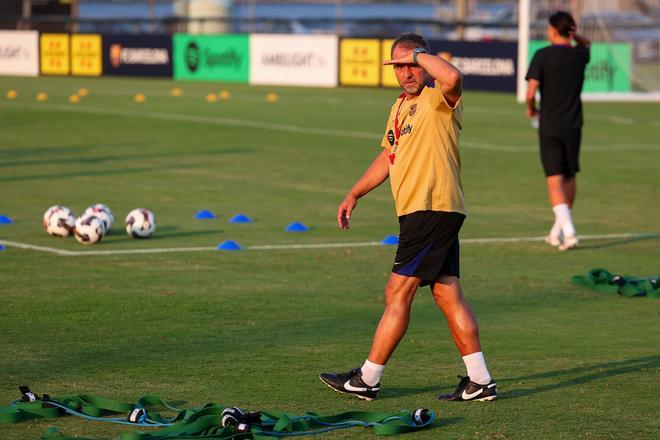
column 468, row 396
column 349, row 387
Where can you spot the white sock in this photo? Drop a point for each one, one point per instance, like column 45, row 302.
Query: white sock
column 371, row 372
column 563, row 214
column 555, row 231
column 476, row 368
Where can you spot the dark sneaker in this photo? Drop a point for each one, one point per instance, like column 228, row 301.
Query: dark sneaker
column 468, row 390
column 350, row 383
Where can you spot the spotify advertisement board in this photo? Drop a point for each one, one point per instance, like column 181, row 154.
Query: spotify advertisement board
column 609, row 68
column 212, row 57
column 137, row 55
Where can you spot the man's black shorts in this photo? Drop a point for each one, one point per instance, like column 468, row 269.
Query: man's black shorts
column 428, row 245
column 560, row 152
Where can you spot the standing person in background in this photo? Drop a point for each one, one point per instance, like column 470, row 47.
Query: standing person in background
column 557, row 71
column 420, row 156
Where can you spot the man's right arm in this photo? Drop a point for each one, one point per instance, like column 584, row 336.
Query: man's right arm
column 376, row 174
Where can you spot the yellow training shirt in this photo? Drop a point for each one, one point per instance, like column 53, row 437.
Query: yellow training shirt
column 425, row 165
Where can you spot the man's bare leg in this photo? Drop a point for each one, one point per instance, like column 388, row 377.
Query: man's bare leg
column 364, row 382
column 399, row 293
column 478, row 385
column 462, row 323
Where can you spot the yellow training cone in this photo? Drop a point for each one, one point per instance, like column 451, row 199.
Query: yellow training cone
column 272, row 97
column 42, row 96
column 176, row 92
column 12, row 94
column 74, row 99
column 224, row 94
column 83, row 92
column 211, row 97
column 139, row 98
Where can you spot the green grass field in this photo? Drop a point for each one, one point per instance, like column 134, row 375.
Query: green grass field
column 254, row 328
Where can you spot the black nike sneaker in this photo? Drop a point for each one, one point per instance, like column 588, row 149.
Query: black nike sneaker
column 468, row 390
column 350, row 383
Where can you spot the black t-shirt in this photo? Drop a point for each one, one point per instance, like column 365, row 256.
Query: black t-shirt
column 560, row 72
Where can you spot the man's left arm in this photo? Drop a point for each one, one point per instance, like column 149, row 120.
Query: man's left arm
column 448, row 76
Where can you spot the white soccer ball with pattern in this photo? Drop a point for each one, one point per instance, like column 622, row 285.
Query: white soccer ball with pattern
column 59, row 221
column 140, row 223
column 89, row 229
column 103, row 213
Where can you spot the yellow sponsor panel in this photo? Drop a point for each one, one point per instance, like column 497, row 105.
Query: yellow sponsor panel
column 86, row 55
column 387, row 77
column 54, row 51
column 359, row 62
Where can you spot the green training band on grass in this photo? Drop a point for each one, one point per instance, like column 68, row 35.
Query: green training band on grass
column 604, row 281
column 202, row 422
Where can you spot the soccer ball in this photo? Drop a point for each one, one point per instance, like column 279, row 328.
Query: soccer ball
column 88, row 229
column 140, row 223
column 59, row 221
column 103, row 213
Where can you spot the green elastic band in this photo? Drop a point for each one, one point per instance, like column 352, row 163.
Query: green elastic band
column 602, row 280
column 203, row 422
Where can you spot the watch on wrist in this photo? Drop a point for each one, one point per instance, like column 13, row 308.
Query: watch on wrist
column 416, row 52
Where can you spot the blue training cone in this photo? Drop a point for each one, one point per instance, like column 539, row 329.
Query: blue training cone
column 204, row 215
column 229, row 245
column 296, row 227
column 4, row 220
column 2, row 247
column 240, row 218
column 390, row 240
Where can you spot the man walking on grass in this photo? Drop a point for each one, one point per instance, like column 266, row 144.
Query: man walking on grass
column 420, row 156
column 558, row 72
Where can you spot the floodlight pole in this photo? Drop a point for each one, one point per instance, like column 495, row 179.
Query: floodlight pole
column 523, row 47
column 27, row 15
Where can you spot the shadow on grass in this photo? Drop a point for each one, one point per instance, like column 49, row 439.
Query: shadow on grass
column 581, row 375
column 162, row 232
column 117, row 170
column 446, row 421
column 622, row 241
column 392, row 393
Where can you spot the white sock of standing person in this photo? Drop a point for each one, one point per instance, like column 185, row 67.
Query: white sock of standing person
column 563, row 215
column 555, row 231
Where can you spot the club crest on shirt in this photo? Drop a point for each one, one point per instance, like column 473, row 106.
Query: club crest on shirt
column 390, row 137
column 413, row 109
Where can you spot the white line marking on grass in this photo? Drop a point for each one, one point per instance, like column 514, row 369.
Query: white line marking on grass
column 610, row 118
column 269, row 247
column 56, row 251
